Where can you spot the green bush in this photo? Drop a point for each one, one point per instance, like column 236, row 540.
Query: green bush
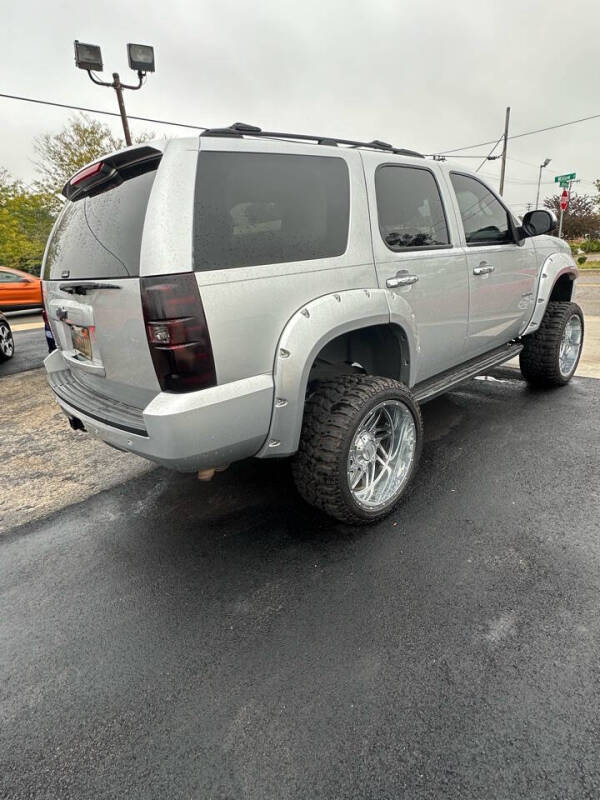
column 581, row 260
column 591, row 246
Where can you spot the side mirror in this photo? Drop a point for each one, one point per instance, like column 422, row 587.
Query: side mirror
column 537, row 222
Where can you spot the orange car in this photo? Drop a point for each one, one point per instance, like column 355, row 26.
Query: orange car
column 19, row 290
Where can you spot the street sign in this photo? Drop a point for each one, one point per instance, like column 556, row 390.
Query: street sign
column 568, row 177
column 564, row 200
column 564, row 184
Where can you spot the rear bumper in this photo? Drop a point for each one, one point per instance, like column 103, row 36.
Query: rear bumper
column 185, row 432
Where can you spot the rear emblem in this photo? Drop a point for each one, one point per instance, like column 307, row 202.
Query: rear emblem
column 65, row 273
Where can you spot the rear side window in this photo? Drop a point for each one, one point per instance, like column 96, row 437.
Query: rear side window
column 484, row 218
column 409, row 208
column 263, row 208
column 9, row 277
column 101, row 236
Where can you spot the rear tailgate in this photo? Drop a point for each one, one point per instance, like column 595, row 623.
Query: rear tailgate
column 91, row 282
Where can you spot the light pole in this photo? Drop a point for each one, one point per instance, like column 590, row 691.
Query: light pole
column 545, row 164
column 141, row 59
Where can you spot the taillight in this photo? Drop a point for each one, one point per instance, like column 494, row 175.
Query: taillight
column 87, row 172
column 177, row 332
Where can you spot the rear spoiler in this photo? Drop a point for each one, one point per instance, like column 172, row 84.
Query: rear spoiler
column 111, row 171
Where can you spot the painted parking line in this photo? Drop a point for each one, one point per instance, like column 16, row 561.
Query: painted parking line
column 27, row 326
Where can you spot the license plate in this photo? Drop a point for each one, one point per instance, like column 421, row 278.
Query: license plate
column 81, row 341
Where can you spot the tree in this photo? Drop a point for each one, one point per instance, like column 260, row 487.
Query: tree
column 27, row 215
column 581, row 217
column 62, row 154
column 26, row 219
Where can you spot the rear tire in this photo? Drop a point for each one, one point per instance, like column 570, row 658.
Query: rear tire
column 7, row 344
column 551, row 354
column 360, row 446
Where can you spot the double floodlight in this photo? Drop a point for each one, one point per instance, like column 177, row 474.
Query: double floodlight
column 89, row 57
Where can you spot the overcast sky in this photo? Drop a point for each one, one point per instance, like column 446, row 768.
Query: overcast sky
column 424, row 75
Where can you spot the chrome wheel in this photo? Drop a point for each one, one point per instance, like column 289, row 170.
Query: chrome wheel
column 7, row 345
column 382, row 454
column 570, row 345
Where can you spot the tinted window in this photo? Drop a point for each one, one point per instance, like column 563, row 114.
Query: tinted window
column 484, row 218
column 410, row 208
column 100, row 236
column 263, row 208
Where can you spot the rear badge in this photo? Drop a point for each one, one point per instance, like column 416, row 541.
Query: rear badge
column 65, row 273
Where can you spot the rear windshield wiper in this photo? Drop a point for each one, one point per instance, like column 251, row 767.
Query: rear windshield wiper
column 82, row 288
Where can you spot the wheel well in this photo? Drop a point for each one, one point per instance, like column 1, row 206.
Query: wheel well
column 375, row 350
column 563, row 288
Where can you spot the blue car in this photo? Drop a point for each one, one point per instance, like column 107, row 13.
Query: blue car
column 48, row 333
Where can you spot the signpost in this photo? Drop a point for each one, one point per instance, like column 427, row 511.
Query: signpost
column 564, row 202
column 564, row 181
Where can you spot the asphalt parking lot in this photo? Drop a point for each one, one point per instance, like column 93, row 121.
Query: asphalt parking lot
column 30, row 343
column 166, row 638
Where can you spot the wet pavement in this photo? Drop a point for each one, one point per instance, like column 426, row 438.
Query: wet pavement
column 166, row 638
column 30, row 351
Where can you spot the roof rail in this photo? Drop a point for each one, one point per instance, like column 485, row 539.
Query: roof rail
column 240, row 129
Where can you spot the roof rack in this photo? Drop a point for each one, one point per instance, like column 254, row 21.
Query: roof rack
column 240, row 129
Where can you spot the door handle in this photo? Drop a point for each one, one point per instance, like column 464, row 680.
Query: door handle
column 483, row 269
column 401, row 279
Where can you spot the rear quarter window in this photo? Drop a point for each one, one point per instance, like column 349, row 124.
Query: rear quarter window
column 101, row 236
column 409, row 208
column 263, row 208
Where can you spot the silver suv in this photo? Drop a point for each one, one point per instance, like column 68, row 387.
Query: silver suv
column 245, row 293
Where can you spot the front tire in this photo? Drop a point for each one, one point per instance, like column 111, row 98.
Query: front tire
column 551, row 354
column 360, row 446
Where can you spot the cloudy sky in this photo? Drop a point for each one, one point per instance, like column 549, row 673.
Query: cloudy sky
column 425, row 75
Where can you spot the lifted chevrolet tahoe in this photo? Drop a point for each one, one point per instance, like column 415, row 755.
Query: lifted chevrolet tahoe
column 244, row 293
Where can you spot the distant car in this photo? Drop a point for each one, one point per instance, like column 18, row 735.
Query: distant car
column 19, row 290
column 7, row 344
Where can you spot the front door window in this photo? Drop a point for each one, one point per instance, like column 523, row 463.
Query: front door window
column 484, row 218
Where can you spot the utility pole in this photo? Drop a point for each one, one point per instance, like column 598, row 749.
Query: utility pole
column 503, row 170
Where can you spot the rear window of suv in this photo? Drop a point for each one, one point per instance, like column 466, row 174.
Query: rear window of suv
column 101, row 236
column 264, row 208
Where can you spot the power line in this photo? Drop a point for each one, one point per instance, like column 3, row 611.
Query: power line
column 546, row 183
column 489, row 154
column 526, row 163
column 489, row 157
column 100, row 111
column 520, row 135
